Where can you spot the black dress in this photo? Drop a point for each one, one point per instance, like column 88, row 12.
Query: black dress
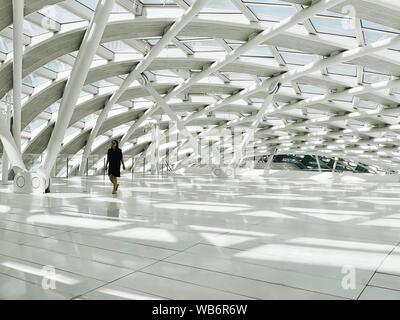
column 114, row 157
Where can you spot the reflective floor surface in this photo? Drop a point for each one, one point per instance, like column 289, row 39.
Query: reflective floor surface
column 197, row 237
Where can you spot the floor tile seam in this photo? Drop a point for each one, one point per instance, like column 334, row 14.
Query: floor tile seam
column 136, row 271
column 375, row 271
column 254, row 279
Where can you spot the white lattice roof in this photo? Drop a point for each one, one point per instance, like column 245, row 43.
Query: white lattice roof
column 338, row 70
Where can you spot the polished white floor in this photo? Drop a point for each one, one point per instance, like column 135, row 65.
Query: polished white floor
column 197, row 237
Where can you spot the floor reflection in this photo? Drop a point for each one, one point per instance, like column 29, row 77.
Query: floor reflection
column 202, row 237
column 113, row 210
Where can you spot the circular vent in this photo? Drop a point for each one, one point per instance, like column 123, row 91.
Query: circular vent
column 20, row 182
column 35, row 183
column 217, row 171
column 229, row 172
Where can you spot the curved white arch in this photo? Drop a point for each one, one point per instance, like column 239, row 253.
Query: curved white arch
column 291, row 118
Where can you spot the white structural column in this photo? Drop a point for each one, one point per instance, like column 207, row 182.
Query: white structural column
column 4, row 169
column 318, row 164
column 76, row 81
column 157, row 134
column 140, row 68
column 334, row 164
column 9, row 145
column 269, row 161
column 238, row 155
column 136, row 125
column 6, row 163
column 155, row 147
column 18, row 48
column 235, row 54
column 174, row 118
column 238, row 149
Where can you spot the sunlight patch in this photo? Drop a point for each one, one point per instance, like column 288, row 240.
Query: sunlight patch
column 74, row 222
column 151, row 234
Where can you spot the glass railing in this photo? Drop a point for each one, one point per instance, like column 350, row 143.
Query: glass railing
column 67, row 166
column 309, row 163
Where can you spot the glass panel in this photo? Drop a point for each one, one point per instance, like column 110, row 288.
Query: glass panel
column 57, row 66
column 259, row 51
column 272, row 12
column 119, row 46
column 71, row 130
column 53, row 108
column 35, row 124
column 298, row 58
column 364, row 104
column 280, row 2
column 34, row 80
column 371, row 36
column 375, row 77
column 102, row 84
column 33, row 30
column 165, row 73
column 355, row 123
column 204, row 45
column 335, row 26
column 6, row 45
column 234, row 76
column 306, row 88
column 89, row 118
column 376, row 26
column 153, row 41
column 60, row 14
column 170, row 11
column 343, row 69
column 84, row 94
column 224, row 6
column 91, row 4
column 163, row 2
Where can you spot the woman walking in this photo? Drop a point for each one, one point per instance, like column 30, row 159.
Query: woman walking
column 114, row 161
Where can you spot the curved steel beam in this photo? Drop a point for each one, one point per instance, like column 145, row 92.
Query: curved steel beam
column 63, row 43
column 18, row 51
column 42, row 99
column 30, row 7
column 93, row 105
column 260, row 38
column 75, row 83
column 301, row 71
column 172, row 32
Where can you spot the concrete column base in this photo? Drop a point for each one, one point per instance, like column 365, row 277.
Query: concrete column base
column 29, row 182
column 223, row 172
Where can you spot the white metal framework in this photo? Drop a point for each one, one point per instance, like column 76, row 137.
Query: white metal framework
column 202, row 65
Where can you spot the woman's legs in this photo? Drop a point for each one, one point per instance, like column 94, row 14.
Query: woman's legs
column 113, row 179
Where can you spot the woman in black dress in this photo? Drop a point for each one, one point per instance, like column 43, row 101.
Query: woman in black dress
column 114, row 161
